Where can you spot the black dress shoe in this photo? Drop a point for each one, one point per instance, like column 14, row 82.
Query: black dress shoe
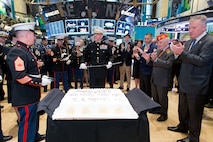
column 184, row 140
column 17, row 121
column 162, row 118
column 154, row 112
column 6, row 138
column 177, row 129
column 40, row 138
column 209, row 105
column 127, row 89
column 120, row 87
column 45, row 90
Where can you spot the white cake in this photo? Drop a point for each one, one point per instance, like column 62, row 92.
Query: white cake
column 81, row 104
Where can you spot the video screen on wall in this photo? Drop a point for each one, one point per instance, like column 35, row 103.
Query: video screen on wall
column 124, row 28
column 107, row 24
column 77, row 26
column 55, row 28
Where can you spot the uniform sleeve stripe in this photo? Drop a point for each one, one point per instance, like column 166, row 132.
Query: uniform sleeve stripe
column 24, row 80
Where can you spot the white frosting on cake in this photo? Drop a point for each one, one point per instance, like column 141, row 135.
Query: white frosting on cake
column 94, row 104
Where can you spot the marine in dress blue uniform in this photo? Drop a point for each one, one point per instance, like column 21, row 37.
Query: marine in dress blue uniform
column 59, row 55
column 76, row 60
column 99, row 54
column 2, row 137
column 111, row 71
column 3, row 37
column 9, row 45
column 25, row 80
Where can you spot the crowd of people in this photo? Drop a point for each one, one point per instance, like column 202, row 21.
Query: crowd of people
column 28, row 66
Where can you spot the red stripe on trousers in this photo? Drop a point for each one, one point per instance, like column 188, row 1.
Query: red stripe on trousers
column 26, row 124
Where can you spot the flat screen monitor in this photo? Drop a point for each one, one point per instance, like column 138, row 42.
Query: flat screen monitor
column 77, row 26
column 107, row 24
column 55, row 28
column 124, row 28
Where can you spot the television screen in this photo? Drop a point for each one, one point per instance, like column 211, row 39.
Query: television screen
column 107, row 24
column 77, row 26
column 124, row 28
column 55, row 28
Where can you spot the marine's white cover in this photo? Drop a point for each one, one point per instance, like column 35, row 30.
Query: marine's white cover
column 24, row 26
column 86, row 104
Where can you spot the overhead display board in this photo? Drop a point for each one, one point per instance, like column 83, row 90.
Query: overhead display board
column 77, row 26
column 55, row 28
column 107, row 24
column 80, row 9
column 124, row 28
column 80, row 16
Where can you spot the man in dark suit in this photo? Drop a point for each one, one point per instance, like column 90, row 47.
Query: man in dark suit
column 146, row 69
column 125, row 56
column 162, row 61
column 197, row 59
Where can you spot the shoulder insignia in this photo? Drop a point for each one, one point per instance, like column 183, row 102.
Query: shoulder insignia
column 19, row 64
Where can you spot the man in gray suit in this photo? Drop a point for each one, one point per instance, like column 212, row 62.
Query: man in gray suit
column 197, row 59
column 162, row 59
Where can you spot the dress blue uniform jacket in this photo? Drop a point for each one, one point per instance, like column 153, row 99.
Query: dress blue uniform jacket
column 25, row 88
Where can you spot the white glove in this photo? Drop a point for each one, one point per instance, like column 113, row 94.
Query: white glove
column 45, row 80
column 63, row 54
column 0, row 78
column 65, row 59
column 83, row 66
column 109, row 65
column 68, row 62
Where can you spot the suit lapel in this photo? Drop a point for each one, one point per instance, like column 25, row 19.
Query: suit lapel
column 198, row 43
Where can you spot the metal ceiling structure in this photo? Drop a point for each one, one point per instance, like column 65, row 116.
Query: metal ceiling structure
column 131, row 2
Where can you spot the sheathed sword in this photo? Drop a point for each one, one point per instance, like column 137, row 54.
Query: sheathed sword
column 103, row 65
column 39, row 76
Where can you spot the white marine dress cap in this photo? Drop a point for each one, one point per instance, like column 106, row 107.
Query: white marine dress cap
column 24, row 26
column 98, row 30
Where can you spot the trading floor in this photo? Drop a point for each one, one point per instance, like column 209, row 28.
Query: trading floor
column 158, row 130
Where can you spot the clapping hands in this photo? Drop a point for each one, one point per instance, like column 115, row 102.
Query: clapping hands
column 177, row 48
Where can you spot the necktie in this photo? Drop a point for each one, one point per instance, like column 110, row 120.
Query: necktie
column 192, row 44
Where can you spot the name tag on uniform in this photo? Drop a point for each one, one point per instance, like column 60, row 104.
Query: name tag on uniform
column 103, row 47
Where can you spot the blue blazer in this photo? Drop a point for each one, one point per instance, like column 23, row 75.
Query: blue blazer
column 144, row 67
